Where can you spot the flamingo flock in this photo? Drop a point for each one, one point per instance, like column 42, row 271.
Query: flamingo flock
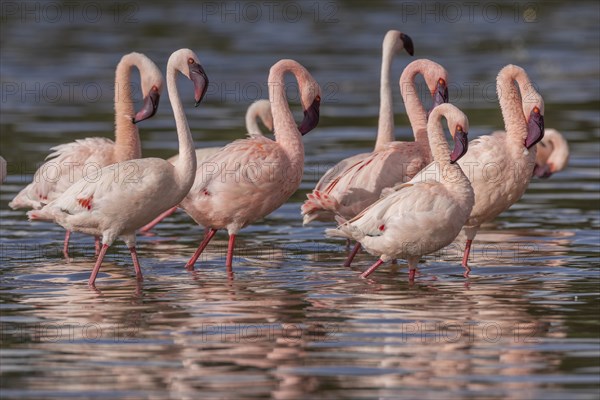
column 403, row 200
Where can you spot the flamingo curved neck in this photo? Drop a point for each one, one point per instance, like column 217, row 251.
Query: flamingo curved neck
column 414, row 107
column 127, row 139
column 511, row 103
column 286, row 132
column 185, row 166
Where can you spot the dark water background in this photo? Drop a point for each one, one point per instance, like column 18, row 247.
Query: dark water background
column 294, row 323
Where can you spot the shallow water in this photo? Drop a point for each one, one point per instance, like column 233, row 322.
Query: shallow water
column 293, row 323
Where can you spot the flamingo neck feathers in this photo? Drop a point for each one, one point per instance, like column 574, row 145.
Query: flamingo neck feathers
column 185, row 166
column 385, row 124
column 127, row 138
column 286, row 132
column 511, row 103
column 414, row 107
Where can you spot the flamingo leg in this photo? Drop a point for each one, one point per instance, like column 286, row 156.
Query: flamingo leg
column 371, row 269
column 92, row 280
column 230, row 247
column 355, row 250
column 136, row 264
column 66, row 245
column 156, row 220
column 411, row 275
column 465, row 259
column 96, row 246
column 201, row 247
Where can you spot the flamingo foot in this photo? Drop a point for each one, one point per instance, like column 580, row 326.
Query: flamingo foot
column 356, row 249
column 201, row 247
column 371, row 269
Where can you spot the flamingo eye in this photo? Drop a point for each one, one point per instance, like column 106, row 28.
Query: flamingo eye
column 154, row 88
column 318, row 98
column 191, row 61
column 536, row 110
column 441, row 81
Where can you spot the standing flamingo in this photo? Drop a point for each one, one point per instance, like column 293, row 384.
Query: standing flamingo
column 256, row 175
column 552, row 154
column 356, row 182
column 500, row 165
column 72, row 161
column 129, row 194
column 424, row 214
column 260, row 109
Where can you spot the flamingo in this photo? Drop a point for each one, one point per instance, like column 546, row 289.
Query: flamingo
column 356, row 182
column 552, row 154
column 500, row 165
column 72, row 161
column 425, row 214
column 121, row 201
column 260, row 109
column 256, row 175
column 2, row 169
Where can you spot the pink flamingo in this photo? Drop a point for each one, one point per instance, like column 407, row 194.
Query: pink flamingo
column 72, row 160
column 255, row 176
column 424, row 214
column 260, row 109
column 129, row 194
column 356, row 182
column 500, row 165
column 552, row 154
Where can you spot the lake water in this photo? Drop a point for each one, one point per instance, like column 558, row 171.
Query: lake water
column 294, row 323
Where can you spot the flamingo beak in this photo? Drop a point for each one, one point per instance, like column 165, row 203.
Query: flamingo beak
column 150, row 106
column 200, row 80
column 407, row 43
column 440, row 96
column 542, row 171
column 535, row 128
column 311, row 117
column 461, row 145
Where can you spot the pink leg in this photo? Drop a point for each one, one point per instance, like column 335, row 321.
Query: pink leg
column 96, row 246
column 66, row 245
column 371, row 269
column 229, row 259
column 203, row 244
column 355, row 250
column 136, row 264
column 156, row 220
column 465, row 259
column 411, row 275
column 92, row 280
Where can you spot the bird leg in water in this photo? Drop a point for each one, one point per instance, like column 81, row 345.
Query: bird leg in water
column 355, row 250
column 372, row 269
column 201, row 247
column 136, row 264
column 465, row 259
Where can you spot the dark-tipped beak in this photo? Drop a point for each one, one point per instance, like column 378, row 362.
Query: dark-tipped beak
column 200, row 80
column 150, row 106
column 542, row 171
column 311, row 117
column 408, row 44
column 535, row 128
column 461, row 145
column 440, row 96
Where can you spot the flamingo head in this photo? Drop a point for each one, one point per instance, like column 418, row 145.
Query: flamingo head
column 311, row 112
column 461, row 143
column 436, row 78
column 395, row 41
column 186, row 62
column 152, row 87
column 552, row 154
